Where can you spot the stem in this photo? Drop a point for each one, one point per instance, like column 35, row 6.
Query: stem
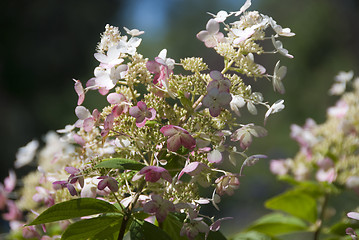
column 321, row 216
column 128, row 212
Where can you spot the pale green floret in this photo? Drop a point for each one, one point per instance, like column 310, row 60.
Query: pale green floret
column 194, row 64
column 226, row 50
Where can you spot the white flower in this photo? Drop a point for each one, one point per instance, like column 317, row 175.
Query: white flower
column 285, row 32
column 341, row 81
column 276, row 107
column 242, row 35
column 221, row 16
column 129, row 47
column 279, row 46
column 278, row 75
column 107, row 78
column 236, row 103
column 26, row 154
column 110, row 59
column 133, row 32
column 245, row 6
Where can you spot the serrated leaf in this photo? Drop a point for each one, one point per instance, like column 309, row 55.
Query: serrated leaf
column 73, row 209
column 121, row 163
column 99, row 228
column 277, row 223
column 296, row 203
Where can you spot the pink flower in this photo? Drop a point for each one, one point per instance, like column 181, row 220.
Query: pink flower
column 13, row 213
column 75, row 176
column 153, row 174
column 159, row 206
column 178, row 137
column 86, row 120
column 215, row 100
column 62, row 184
column 211, row 36
column 226, row 184
column 162, row 67
column 120, row 102
column 279, row 167
column 109, row 182
column 194, row 227
column 142, row 113
column 219, row 81
column 246, row 133
column 10, row 182
column 43, row 195
column 30, row 232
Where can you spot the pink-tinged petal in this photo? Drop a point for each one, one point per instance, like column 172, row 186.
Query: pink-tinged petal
column 79, row 140
column 88, row 124
column 193, row 169
column 217, row 224
column 103, row 91
column 169, row 130
column 153, row 66
column 212, row 26
column 59, row 185
column 166, row 176
column 203, row 36
column 102, row 184
column 153, row 112
column 115, row 98
column 112, row 184
column 141, row 124
column 215, row 110
column 188, row 141
column 119, row 109
column 10, row 181
column 215, row 156
column 245, row 140
column 216, row 75
column 108, row 124
column 150, row 207
column 353, row 215
column 135, row 112
column 211, row 42
column 80, row 92
column 71, row 189
column 82, row 113
column 174, row 143
column 72, row 170
column 142, row 106
column 96, row 114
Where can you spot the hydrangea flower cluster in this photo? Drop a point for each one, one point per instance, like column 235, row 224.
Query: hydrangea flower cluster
column 163, row 136
column 328, row 151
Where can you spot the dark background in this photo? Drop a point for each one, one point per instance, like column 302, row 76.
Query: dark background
column 46, row 43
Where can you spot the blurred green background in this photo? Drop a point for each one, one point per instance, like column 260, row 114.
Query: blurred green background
column 46, row 43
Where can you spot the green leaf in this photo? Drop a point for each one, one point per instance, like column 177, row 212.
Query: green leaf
column 277, row 223
column 142, row 230
column 172, row 225
column 120, row 163
column 151, row 123
column 297, row 203
column 99, row 228
column 252, row 235
column 340, row 227
column 73, row 209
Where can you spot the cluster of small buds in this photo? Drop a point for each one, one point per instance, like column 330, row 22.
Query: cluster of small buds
column 329, row 149
column 172, row 135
